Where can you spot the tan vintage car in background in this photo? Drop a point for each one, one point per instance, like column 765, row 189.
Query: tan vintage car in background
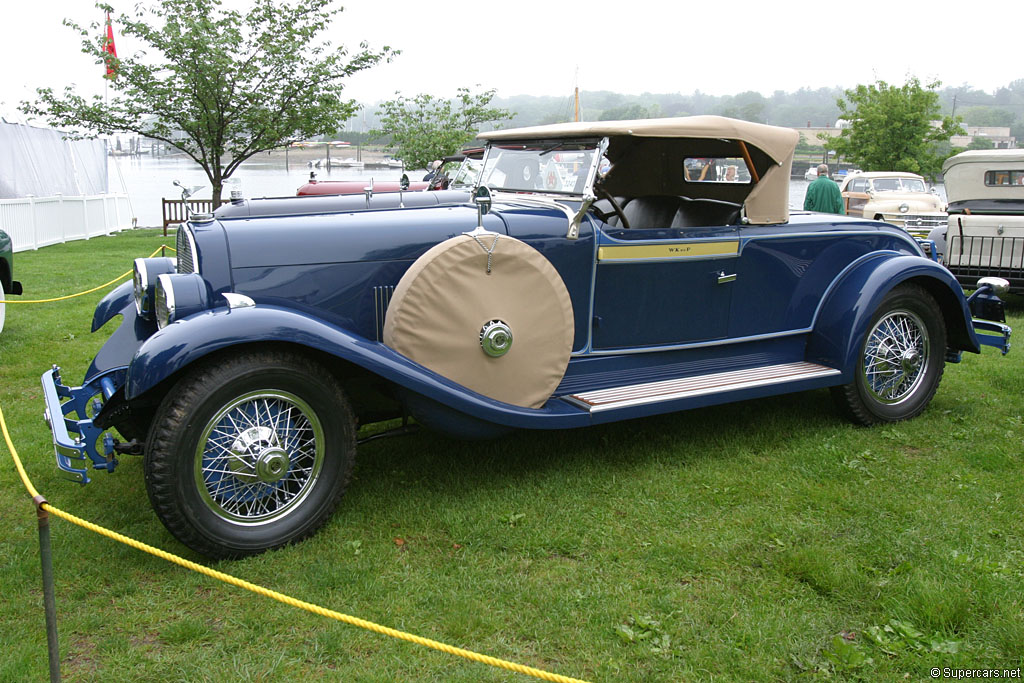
column 902, row 199
column 986, row 209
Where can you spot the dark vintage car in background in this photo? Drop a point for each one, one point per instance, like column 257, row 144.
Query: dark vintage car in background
column 8, row 285
column 598, row 272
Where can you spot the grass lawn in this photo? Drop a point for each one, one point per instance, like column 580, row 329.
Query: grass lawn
column 765, row 540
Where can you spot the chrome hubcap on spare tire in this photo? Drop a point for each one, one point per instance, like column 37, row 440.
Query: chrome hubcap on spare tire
column 895, row 357
column 259, row 457
column 496, row 338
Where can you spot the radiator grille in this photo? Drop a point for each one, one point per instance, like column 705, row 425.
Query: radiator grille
column 184, row 245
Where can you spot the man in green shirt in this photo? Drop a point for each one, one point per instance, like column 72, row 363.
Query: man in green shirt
column 823, row 194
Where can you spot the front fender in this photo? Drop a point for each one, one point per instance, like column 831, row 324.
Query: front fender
column 121, row 346
column 845, row 311
column 186, row 341
column 112, row 304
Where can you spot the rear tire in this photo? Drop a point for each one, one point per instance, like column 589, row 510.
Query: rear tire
column 249, row 453
column 901, row 360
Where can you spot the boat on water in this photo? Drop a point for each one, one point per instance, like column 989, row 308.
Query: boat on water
column 350, row 162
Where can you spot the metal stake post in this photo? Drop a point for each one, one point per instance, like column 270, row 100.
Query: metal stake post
column 49, row 601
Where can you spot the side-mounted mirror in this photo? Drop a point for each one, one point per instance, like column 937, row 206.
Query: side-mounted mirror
column 403, row 185
column 482, row 199
column 368, row 191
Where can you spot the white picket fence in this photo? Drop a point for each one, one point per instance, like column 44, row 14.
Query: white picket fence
column 34, row 222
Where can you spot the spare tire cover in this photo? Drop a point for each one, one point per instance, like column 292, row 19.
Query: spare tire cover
column 446, row 298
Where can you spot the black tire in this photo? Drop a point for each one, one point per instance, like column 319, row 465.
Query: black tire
column 249, row 452
column 901, row 360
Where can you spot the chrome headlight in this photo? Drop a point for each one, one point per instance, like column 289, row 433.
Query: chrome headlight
column 144, row 274
column 177, row 296
column 904, row 207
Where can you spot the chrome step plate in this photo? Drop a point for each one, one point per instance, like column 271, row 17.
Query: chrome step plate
column 688, row 387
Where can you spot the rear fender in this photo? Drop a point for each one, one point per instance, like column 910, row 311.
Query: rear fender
column 184, row 342
column 844, row 314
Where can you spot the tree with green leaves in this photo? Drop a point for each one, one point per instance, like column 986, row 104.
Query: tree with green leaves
column 218, row 84
column 426, row 128
column 891, row 127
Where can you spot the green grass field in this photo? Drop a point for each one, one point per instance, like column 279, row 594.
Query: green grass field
column 765, row 540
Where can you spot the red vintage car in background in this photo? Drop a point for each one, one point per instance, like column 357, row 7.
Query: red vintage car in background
column 315, row 187
column 457, row 171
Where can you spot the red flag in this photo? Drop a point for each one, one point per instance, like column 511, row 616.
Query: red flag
column 111, row 52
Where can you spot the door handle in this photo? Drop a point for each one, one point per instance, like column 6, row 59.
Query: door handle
column 723, row 278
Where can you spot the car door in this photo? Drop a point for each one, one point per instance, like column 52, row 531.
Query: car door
column 663, row 287
column 856, row 196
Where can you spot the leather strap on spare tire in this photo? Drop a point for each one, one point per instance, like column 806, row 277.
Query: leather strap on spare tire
column 487, row 311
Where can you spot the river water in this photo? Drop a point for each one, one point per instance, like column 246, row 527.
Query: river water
column 148, row 179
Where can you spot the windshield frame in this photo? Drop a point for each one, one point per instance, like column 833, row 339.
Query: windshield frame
column 543, row 147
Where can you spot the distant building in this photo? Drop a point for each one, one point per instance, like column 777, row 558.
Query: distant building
column 999, row 135
column 810, row 134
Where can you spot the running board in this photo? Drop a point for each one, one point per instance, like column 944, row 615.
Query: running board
column 689, row 387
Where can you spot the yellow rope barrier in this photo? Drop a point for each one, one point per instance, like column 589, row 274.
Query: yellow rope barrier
column 88, row 291
column 274, row 595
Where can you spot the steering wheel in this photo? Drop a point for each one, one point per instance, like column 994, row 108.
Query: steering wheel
column 616, row 209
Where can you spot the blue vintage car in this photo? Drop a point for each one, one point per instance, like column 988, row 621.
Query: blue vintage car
column 8, row 285
column 598, row 272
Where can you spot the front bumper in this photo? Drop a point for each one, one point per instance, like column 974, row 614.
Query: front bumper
column 991, row 333
column 77, row 442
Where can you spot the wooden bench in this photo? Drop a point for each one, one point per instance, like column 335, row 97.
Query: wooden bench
column 174, row 210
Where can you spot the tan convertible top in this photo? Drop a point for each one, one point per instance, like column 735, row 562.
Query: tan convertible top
column 772, row 146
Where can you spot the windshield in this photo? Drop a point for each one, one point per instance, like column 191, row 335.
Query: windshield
column 456, row 174
column 899, row 185
column 549, row 166
column 465, row 175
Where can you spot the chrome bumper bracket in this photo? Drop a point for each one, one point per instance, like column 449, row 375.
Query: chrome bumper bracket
column 76, row 441
column 995, row 334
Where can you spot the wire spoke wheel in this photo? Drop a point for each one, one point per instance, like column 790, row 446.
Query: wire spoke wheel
column 900, row 360
column 248, row 452
column 259, row 457
column 895, row 356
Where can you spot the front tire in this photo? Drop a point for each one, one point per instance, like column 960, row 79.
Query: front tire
column 901, row 360
column 249, row 453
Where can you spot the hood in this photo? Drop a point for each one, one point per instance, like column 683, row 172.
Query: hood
column 399, row 234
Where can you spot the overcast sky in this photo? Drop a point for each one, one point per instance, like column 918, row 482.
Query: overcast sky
column 547, row 47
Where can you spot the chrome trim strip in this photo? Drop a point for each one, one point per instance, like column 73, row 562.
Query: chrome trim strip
column 701, row 385
column 693, row 345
